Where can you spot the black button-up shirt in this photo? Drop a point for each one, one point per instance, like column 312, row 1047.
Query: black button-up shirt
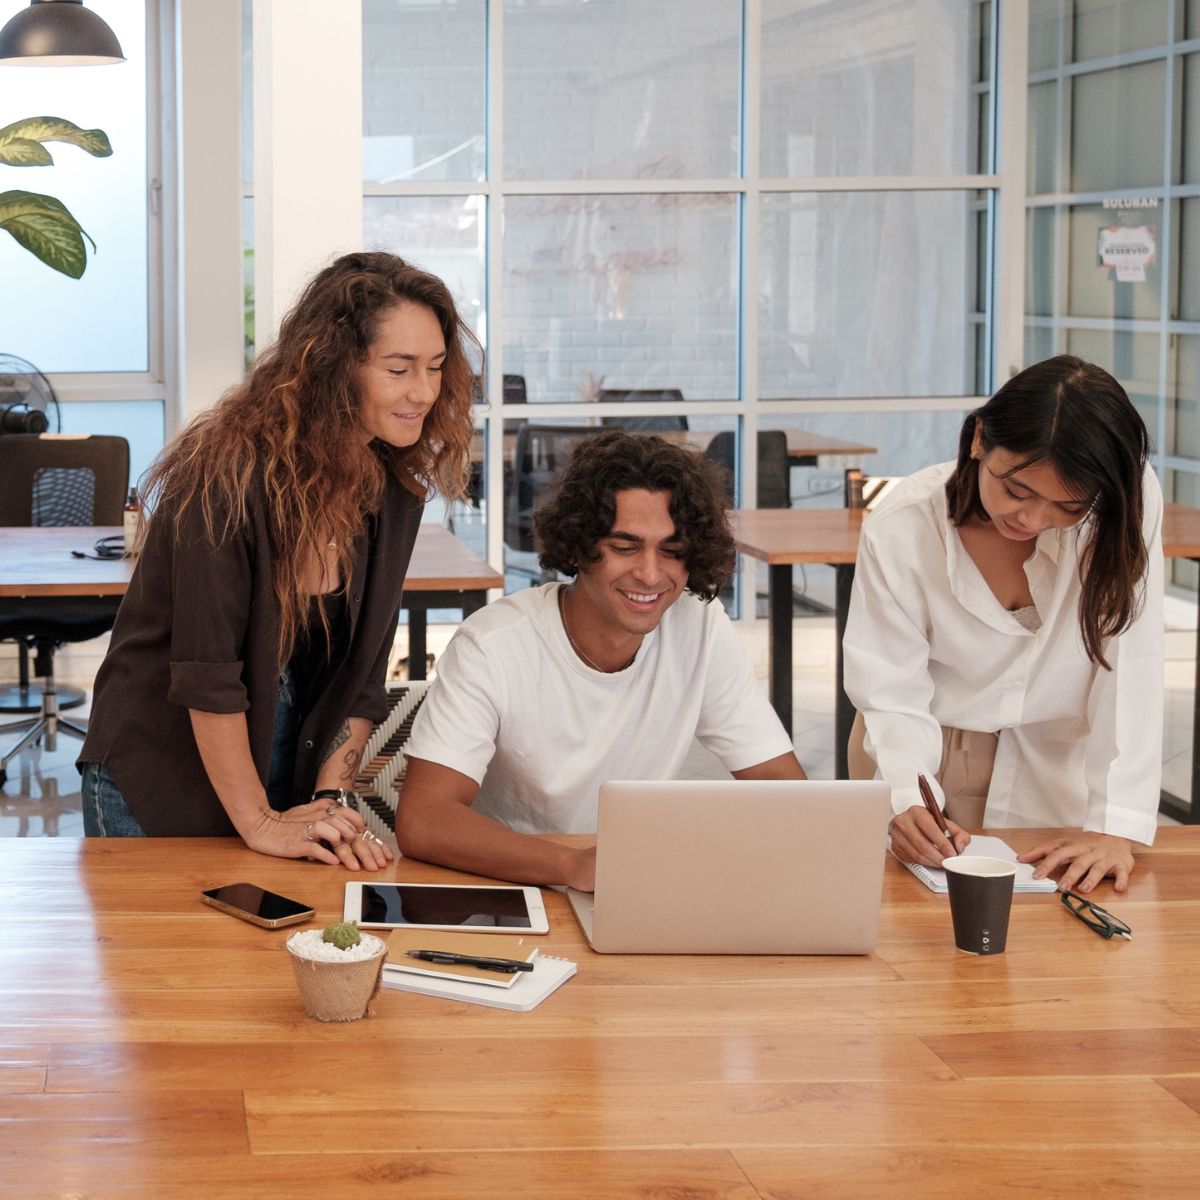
column 199, row 627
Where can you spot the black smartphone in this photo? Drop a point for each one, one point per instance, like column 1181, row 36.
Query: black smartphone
column 259, row 907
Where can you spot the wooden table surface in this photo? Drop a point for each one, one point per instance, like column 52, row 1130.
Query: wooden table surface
column 830, row 535
column 152, row 1047
column 38, row 562
column 781, row 536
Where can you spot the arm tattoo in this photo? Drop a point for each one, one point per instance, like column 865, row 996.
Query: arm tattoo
column 339, row 738
column 351, row 760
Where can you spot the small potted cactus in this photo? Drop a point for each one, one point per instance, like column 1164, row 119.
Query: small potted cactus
column 338, row 970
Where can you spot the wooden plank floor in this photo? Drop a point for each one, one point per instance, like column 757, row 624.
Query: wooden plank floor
column 152, row 1047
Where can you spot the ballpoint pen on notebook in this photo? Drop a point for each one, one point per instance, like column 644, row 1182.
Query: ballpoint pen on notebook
column 934, row 811
column 446, row 957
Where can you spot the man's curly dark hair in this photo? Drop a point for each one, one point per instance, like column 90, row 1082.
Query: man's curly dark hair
column 580, row 506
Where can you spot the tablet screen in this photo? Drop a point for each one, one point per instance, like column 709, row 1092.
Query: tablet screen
column 470, row 907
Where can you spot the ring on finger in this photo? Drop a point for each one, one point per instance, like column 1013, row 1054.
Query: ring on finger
column 307, row 834
column 331, row 810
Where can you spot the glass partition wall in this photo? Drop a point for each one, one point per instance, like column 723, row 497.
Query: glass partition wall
column 708, row 215
column 1113, row 210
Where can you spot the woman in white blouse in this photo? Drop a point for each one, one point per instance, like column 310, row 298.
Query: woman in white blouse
column 1005, row 630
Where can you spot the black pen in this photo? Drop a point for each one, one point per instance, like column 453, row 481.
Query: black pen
column 508, row 965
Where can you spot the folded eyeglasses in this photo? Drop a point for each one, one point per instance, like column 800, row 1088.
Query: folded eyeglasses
column 1095, row 917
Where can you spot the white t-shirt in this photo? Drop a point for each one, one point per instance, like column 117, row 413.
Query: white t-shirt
column 929, row 646
column 515, row 708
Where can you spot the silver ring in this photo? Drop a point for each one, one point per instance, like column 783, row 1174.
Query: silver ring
column 307, row 834
column 368, row 836
column 332, row 810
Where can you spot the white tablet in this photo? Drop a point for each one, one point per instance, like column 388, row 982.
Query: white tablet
column 480, row 908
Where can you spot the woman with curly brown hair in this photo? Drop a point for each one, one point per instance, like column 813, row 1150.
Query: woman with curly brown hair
column 548, row 693
column 247, row 662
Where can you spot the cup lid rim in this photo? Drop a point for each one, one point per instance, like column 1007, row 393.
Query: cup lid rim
column 992, row 868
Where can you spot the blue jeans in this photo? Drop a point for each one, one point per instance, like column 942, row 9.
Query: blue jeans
column 106, row 814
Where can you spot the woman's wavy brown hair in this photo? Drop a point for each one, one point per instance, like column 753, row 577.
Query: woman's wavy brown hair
column 1075, row 416
column 579, row 508
column 292, row 429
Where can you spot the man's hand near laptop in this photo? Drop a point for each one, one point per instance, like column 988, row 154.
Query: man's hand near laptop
column 548, row 693
column 435, row 822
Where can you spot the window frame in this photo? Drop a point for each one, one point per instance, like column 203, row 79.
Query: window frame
column 83, row 387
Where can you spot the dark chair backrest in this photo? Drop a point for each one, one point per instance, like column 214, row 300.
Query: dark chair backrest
column 62, row 479
column 773, row 468
column 541, row 452
column 514, row 390
column 643, row 396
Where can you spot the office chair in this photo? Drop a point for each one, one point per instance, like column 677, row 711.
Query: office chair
column 55, row 480
column 540, row 452
column 514, row 393
column 642, row 396
column 513, row 388
column 773, row 468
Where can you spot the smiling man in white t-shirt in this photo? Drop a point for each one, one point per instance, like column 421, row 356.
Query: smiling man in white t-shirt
column 544, row 695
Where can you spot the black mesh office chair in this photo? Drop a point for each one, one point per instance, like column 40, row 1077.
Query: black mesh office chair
column 514, row 393
column 642, row 396
column 541, row 451
column 773, row 469
column 55, row 480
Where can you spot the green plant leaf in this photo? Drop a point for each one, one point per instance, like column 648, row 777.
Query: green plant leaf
column 25, row 152
column 46, row 228
column 55, row 129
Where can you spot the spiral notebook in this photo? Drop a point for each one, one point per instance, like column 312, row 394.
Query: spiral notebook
column 497, row 946
column 934, row 878
column 519, row 992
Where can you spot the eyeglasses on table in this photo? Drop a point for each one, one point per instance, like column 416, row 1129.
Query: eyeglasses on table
column 1094, row 917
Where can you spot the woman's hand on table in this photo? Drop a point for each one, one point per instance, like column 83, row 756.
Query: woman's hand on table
column 917, row 839
column 322, row 831
column 1087, row 859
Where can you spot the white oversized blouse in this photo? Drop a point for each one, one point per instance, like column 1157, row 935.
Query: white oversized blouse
column 928, row 646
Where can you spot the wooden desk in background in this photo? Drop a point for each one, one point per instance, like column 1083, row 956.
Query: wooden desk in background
column 803, row 447
column 153, row 1047
column 783, row 537
column 443, row 573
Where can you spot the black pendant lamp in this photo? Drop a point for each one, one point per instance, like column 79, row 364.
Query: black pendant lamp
column 58, row 33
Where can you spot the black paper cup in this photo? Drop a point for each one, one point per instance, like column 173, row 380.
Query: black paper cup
column 981, row 891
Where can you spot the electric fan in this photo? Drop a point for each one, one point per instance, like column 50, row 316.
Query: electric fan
column 27, row 401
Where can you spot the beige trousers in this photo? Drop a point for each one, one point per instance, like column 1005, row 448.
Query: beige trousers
column 965, row 772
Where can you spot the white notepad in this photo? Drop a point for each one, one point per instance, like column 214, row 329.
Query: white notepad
column 526, row 992
column 934, row 878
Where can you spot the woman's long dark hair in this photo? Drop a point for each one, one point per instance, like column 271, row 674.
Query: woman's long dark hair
column 1077, row 418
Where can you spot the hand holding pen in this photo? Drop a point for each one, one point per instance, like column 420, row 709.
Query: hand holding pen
column 924, row 834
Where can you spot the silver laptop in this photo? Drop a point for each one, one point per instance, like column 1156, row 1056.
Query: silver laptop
column 737, row 867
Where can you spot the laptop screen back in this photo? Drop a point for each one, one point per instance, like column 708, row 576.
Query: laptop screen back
column 739, row 867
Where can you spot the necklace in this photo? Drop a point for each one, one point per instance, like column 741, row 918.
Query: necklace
column 562, row 612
